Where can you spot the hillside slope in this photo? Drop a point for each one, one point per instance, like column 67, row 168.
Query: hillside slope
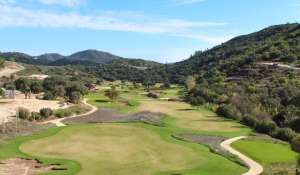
column 280, row 43
column 253, row 78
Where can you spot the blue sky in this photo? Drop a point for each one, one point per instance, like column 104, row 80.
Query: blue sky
column 160, row 30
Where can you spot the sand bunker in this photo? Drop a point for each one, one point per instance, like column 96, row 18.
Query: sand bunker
column 21, row 166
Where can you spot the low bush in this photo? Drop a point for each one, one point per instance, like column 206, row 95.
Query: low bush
column 285, row 134
column 296, row 143
column 46, row 112
column 265, row 126
column 35, row 116
column 152, row 95
column 48, row 96
column 61, row 113
column 229, row 111
column 73, row 110
column 23, row 113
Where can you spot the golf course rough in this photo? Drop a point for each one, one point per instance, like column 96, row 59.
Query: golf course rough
column 126, row 149
column 271, row 154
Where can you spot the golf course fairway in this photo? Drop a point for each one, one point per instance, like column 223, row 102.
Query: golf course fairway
column 126, row 149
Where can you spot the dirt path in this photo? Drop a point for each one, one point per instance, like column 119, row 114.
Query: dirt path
column 59, row 123
column 254, row 167
column 279, row 65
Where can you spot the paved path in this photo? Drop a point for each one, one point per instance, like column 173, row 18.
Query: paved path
column 254, row 167
column 59, row 123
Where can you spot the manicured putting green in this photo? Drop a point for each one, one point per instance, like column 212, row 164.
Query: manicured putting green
column 266, row 151
column 126, row 149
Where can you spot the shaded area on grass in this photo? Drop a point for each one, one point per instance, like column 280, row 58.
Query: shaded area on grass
column 213, row 143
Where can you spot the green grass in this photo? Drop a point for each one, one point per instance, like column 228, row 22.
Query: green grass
column 136, row 148
column 121, row 149
column 267, row 152
column 11, row 150
column 100, row 101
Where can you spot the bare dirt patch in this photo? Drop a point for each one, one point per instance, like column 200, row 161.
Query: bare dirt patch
column 10, row 68
column 20, row 166
column 9, row 107
column 109, row 116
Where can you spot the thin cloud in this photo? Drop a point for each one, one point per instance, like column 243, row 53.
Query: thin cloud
column 185, row 2
column 6, row 2
column 12, row 16
column 66, row 3
column 208, row 38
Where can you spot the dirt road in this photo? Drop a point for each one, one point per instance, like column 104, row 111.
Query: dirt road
column 59, row 123
column 254, row 167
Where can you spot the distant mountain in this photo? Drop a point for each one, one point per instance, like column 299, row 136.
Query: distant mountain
column 86, row 57
column 94, row 56
column 18, row 57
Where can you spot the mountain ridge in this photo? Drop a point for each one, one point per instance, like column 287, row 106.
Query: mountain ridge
column 85, row 56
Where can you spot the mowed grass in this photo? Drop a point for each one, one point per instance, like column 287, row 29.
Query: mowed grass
column 100, row 101
column 196, row 120
column 126, row 149
column 10, row 149
column 267, row 152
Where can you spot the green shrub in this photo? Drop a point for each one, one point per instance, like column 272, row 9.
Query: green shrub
column 36, row 87
column 46, row 112
column 265, row 126
column 23, row 113
column 229, row 111
column 152, row 95
column 61, row 113
column 48, row 96
column 132, row 103
column 296, row 143
column 285, row 134
column 75, row 97
column 249, row 121
column 35, row 116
